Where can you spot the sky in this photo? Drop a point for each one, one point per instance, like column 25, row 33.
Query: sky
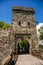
column 6, row 9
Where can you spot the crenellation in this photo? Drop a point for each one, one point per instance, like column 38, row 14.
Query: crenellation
column 17, row 8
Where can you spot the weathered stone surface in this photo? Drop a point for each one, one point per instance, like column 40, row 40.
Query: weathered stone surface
column 38, row 53
column 24, row 16
column 23, row 9
column 6, row 60
column 6, row 45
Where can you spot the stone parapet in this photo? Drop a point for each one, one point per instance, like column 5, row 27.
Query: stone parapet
column 38, row 53
column 6, row 45
column 17, row 8
column 6, row 61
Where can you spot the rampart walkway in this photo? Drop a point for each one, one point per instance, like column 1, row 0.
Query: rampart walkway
column 28, row 60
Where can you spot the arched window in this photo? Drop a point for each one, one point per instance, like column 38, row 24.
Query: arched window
column 28, row 23
column 19, row 23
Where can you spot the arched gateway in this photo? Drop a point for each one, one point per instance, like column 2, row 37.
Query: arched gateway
column 24, row 27
column 23, row 47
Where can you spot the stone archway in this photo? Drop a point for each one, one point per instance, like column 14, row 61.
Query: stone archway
column 23, row 47
column 18, row 38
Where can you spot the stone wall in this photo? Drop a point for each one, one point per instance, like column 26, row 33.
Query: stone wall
column 6, row 43
column 38, row 53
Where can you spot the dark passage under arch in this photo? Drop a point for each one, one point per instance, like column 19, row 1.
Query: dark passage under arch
column 23, row 47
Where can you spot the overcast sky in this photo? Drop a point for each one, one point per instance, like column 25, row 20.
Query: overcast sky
column 6, row 8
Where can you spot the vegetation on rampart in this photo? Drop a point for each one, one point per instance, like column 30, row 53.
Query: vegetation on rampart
column 4, row 25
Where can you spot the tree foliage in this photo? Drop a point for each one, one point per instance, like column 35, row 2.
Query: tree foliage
column 41, row 46
column 4, row 25
column 1, row 24
column 41, row 33
column 23, row 43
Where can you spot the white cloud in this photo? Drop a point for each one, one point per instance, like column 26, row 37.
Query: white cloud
column 38, row 26
column 41, row 42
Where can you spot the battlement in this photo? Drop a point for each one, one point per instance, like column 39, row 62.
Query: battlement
column 4, row 29
column 17, row 8
column 4, row 32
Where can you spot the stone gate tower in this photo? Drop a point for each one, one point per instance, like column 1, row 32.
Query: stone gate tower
column 24, row 26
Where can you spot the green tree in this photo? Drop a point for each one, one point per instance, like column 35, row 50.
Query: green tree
column 41, row 46
column 41, row 33
column 6, row 26
column 1, row 24
column 23, row 43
